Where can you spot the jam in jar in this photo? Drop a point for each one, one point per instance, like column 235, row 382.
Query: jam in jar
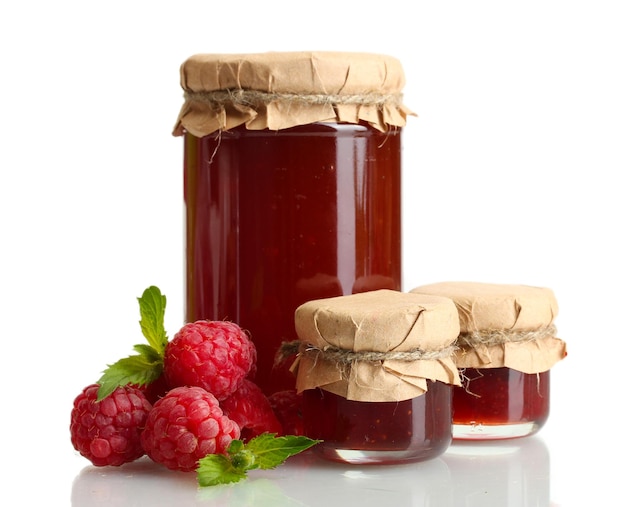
column 500, row 403
column 291, row 186
column 380, row 432
column 506, row 347
column 376, row 373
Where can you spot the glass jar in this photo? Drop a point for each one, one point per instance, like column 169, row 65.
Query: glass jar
column 500, row 403
column 507, row 346
column 292, row 188
column 388, row 432
column 275, row 219
column 376, row 373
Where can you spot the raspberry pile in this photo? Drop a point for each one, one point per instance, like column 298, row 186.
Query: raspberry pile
column 202, row 399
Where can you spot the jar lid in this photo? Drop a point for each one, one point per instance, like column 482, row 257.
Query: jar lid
column 503, row 325
column 278, row 90
column 380, row 345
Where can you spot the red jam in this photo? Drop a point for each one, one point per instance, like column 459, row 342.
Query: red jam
column 380, row 432
column 275, row 219
column 500, row 403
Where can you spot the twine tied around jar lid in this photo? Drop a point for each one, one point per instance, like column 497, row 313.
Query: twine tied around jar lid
column 256, row 98
column 503, row 325
column 342, row 356
column 279, row 90
column 381, row 345
column 491, row 337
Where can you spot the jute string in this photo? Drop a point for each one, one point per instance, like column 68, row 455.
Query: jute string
column 256, row 98
column 492, row 337
column 343, row 356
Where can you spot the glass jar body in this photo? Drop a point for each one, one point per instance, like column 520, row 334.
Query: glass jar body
column 379, row 432
column 278, row 218
column 496, row 403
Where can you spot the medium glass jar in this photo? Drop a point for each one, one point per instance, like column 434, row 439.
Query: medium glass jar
column 376, row 373
column 380, row 432
column 507, row 346
column 292, row 188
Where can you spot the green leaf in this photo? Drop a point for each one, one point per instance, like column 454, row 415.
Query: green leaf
column 148, row 353
column 137, row 370
column 270, row 450
column 244, row 460
column 147, row 366
column 152, row 310
column 235, row 447
column 217, row 469
column 264, row 451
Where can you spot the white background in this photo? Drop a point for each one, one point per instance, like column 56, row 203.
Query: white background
column 512, row 174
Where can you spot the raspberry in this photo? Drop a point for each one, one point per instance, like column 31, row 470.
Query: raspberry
column 107, row 432
column 251, row 410
column 155, row 390
column 214, row 355
column 287, row 406
column 186, row 425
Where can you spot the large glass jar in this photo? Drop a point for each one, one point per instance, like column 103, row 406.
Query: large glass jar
column 275, row 219
column 507, row 346
column 292, row 188
column 376, row 373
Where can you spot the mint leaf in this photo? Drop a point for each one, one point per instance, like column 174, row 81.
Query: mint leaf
column 148, row 353
column 152, row 310
column 270, row 450
column 217, row 469
column 139, row 370
column 264, row 451
column 147, row 366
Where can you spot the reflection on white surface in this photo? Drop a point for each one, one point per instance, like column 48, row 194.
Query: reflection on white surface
column 330, row 484
column 512, row 473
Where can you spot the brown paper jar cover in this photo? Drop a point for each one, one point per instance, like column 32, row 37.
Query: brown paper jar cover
column 278, row 90
column 392, row 323
column 503, row 325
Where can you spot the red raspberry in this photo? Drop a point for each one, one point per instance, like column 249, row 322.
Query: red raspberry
column 287, row 406
column 108, row 432
column 186, row 425
column 251, row 410
column 214, row 355
column 155, row 390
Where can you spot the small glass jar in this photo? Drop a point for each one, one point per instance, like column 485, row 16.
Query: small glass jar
column 507, row 346
column 376, row 373
column 500, row 403
column 292, row 177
